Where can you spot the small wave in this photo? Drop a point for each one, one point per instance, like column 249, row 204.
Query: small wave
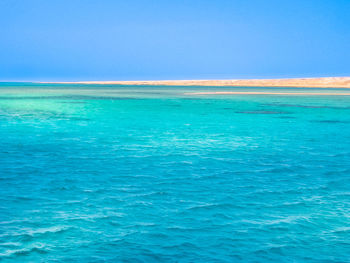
column 14, row 221
column 11, row 244
column 289, row 220
column 29, row 234
column 212, row 206
column 274, row 249
column 53, row 229
column 36, row 248
column 341, row 230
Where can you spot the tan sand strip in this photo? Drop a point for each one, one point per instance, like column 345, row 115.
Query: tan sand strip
column 266, row 93
column 329, row 82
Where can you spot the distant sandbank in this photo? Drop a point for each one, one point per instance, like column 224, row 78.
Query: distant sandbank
column 268, row 93
column 329, row 82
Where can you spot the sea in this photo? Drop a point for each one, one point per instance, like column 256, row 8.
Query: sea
column 112, row 173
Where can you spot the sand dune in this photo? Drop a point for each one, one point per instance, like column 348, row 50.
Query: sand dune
column 330, row 82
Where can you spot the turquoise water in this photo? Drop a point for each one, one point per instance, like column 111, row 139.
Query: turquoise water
column 150, row 174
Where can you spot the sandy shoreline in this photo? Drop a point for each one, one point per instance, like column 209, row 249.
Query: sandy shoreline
column 329, row 82
column 268, row 93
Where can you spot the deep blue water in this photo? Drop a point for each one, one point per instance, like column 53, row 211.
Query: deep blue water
column 150, row 174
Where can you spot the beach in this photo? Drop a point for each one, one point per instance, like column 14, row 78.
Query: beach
column 326, row 82
column 269, row 93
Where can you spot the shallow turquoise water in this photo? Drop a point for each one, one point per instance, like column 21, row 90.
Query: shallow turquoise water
column 150, row 174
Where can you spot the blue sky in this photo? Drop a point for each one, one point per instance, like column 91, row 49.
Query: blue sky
column 146, row 39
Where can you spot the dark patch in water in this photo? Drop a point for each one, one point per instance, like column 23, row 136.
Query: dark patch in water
column 109, row 98
column 148, row 93
column 330, row 121
column 80, row 119
column 262, row 112
column 61, row 117
column 73, row 102
column 287, row 117
column 305, row 106
column 193, row 99
column 295, row 106
column 83, row 97
column 73, row 97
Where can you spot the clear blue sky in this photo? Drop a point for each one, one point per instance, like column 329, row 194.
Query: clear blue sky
column 146, row 39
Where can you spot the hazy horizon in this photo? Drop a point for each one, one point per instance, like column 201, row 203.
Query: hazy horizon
column 194, row 79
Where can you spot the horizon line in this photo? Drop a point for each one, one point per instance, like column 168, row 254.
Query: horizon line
column 175, row 80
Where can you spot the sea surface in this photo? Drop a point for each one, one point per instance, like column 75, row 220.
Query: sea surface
column 107, row 173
